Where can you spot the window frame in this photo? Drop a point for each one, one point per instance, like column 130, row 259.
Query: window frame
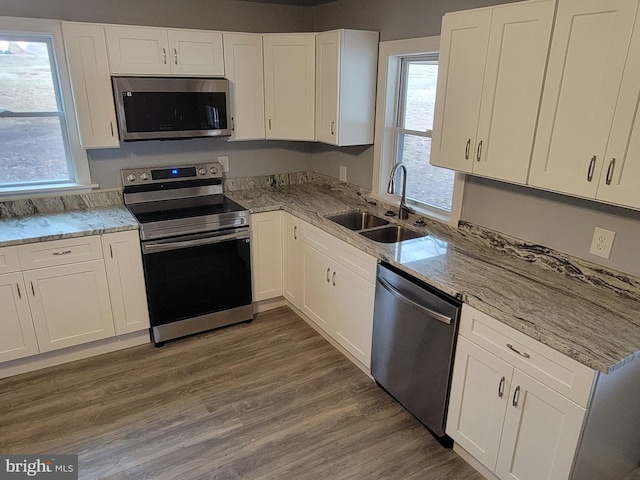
column 77, row 160
column 386, row 132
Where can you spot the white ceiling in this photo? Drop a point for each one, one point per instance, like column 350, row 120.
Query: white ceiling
column 302, row 3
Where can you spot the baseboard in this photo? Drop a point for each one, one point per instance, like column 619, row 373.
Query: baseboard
column 78, row 352
column 471, row 460
column 270, row 304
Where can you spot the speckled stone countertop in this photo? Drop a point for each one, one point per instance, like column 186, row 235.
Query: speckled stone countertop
column 56, row 217
column 577, row 308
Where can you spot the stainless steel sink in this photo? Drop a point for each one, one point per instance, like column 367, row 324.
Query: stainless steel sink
column 358, row 220
column 391, row 234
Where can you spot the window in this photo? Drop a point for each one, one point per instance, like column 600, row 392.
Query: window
column 410, row 70
column 39, row 151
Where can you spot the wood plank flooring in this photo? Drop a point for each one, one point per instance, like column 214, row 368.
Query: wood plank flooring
column 266, row 400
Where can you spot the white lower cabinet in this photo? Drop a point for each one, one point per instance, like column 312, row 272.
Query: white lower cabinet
column 517, row 426
column 18, row 338
column 291, row 258
column 266, row 255
column 338, row 290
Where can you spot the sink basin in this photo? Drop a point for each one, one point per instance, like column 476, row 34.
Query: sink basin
column 358, row 220
column 391, row 234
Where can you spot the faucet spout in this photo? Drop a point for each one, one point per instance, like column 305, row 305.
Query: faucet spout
column 403, row 210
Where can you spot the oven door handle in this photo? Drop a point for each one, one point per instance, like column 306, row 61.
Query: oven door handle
column 148, row 248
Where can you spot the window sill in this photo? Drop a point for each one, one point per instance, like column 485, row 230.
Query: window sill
column 38, row 191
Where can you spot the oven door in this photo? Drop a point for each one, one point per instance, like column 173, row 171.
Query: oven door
column 197, row 275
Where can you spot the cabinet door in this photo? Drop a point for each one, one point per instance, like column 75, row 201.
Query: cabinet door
column 18, row 337
column 586, row 61
column 327, row 78
column 196, row 52
column 123, row 261
column 86, row 50
column 620, row 178
column 317, row 296
column 541, row 432
column 291, row 259
column 243, row 66
column 354, row 297
column 266, row 255
column 514, row 71
column 138, row 50
column 69, row 304
column 463, row 50
column 289, row 86
column 478, row 400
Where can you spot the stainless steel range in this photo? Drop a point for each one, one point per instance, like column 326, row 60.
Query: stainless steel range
column 195, row 249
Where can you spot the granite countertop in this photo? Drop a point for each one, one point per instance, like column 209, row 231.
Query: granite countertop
column 577, row 308
column 65, row 224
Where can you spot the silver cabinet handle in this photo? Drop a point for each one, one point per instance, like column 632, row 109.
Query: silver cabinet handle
column 479, row 151
column 233, row 124
column 328, row 273
column 18, row 287
column 522, row 354
column 64, row 252
column 592, row 167
column 467, row 149
column 269, row 122
column 295, row 232
column 164, row 55
column 111, row 125
column 501, row 387
column 33, row 290
column 516, row 396
column 612, row 165
column 333, row 124
column 333, row 279
column 111, row 250
column 175, row 56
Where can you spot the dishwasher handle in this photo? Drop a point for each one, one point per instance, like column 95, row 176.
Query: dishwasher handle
column 395, row 292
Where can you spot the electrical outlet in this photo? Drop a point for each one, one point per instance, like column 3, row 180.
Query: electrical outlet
column 602, row 242
column 343, row 173
column 224, row 161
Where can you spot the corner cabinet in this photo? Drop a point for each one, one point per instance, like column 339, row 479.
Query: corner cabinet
column 338, row 290
column 158, row 51
column 516, row 405
column 266, row 255
column 490, row 76
column 88, row 62
column 289, row 86
column 291, row 259
column 244, row 68
column 346, row 66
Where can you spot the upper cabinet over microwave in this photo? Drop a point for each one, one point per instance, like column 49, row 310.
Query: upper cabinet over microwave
column 160, row 51
column 587, row 128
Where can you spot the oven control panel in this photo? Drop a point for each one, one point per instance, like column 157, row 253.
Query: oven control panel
column 140, row 176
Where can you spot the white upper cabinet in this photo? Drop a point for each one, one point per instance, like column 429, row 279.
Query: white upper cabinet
column 160, row 51
column 346, row 66
column 586, row 63
column 620, row 177
column 86, row 51
column 243, row 66
column 492, row 64
column 289, row 86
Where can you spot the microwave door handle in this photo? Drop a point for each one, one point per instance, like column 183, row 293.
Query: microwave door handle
column 157, row 247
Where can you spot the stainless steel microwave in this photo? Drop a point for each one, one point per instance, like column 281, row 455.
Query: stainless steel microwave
column 150, row 108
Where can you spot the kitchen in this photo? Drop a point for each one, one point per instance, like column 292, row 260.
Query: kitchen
column 524, row 213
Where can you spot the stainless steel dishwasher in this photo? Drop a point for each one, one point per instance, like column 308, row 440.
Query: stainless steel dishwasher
column 414, row 337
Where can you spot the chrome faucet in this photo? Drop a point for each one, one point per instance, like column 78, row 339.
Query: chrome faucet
column 403, row 211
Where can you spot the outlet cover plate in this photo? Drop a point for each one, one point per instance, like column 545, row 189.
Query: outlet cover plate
column 602, row 242
column 224, row 161
column 343, row 173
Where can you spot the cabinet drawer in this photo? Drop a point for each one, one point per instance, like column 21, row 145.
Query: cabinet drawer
column 357, row 261
column 60, row 252
column 316, row 238
column 9, row 260
column 552, row 368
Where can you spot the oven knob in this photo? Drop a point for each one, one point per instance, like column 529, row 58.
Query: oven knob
column 144, row 176
column 131, row 177
column 214, row 170
column 202, row 171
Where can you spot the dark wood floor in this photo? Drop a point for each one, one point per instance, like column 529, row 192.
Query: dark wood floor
column 269, row 400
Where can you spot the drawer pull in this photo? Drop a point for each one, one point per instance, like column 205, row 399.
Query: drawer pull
column 525, row 354
column 501, row 387
column 328, row 274
column 516, row 396
column 64, row 252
